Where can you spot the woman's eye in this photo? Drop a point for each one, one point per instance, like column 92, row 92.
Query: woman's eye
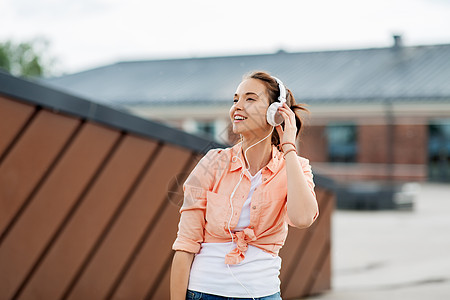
column 236, row 100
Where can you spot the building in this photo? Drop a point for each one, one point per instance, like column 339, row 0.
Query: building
column 381, row 113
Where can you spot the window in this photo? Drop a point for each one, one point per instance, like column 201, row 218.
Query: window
column 206, row 128
column 342, row 142
column 439, row 151
column 216, row 130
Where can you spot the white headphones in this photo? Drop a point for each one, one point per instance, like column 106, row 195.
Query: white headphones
column 273, row 117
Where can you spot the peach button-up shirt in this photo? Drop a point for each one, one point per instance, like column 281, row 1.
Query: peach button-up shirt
column 206, row 208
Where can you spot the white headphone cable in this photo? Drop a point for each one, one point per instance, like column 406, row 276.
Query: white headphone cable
column 231, row 201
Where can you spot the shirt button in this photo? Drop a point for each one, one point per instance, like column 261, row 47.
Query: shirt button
column 265, row 179
column 254, row 207
column 251, row 227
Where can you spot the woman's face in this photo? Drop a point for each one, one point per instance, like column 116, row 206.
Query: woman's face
column 248, row 113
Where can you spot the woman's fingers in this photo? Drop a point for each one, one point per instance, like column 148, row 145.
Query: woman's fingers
column 290, row 127
column 287, row 108
column 285, row 116
column 287, row 113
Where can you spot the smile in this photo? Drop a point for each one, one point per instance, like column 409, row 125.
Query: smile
column 238, row 118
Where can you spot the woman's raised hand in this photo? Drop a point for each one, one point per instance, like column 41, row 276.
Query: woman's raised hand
column 290, row 128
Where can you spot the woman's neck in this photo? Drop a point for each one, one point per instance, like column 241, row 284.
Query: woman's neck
column 258, row 155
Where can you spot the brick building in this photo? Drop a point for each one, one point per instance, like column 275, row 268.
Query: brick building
column 380, row 113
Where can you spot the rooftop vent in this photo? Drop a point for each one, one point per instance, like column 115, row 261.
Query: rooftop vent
column 398, row 42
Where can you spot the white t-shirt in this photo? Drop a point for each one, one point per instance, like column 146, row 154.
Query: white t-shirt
column 258, row 272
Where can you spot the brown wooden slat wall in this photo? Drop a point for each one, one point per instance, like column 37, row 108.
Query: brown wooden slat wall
column 13, row 116
column 85, row 214
column 306, row 254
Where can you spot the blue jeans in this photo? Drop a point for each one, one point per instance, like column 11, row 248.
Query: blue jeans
column 194, row 295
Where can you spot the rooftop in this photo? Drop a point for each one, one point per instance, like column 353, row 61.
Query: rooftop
column 412, row 73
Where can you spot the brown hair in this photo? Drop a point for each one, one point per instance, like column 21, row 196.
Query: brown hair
column 273, row 91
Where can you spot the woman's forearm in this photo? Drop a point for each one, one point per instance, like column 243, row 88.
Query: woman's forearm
column 179, row 275
column 301, row 203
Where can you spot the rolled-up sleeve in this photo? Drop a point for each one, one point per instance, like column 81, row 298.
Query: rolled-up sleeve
column 192, row 221
column 306, row 167
column 307, row 171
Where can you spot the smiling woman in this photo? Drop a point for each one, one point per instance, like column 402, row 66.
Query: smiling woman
column 263, row 90
column 238, row 203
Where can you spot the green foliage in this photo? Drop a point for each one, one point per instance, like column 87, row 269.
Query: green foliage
column 27, row 59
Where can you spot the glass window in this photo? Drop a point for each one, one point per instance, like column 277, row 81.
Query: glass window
column 206, row 128
column 342, row 142
column 439, row 150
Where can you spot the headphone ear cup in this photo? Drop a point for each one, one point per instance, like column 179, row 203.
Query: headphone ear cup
column 273, row 117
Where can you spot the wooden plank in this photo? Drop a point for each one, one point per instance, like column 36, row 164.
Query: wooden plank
column 288, row 253
column 90, row 219
column 295, row 242
column 141, row 277
column 298, row 285
column 320, row 254
column 310, row 265
column 125, row 235
column 33, row 231
column 13, row 115
column 163, row 290
column 33, row 154
column 322, row 280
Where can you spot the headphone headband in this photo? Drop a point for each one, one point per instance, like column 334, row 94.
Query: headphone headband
column 282, row 97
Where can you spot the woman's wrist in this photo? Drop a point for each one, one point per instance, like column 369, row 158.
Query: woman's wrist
column 293, row 150
column 286, row 146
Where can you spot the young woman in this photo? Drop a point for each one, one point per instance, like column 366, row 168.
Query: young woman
column 238, row 201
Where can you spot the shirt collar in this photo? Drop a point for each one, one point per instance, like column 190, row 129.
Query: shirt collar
column 237, row 163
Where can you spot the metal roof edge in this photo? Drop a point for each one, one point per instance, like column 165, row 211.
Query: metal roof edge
column 279, row 52
column 276, row 53
column 50, row 98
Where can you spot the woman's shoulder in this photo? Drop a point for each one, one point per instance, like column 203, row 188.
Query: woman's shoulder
column 217, row 155
column 214, row 152
column 217, row 151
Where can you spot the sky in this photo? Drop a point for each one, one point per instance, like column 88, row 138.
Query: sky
column 84, row 34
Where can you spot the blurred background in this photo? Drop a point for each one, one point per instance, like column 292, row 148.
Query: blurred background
column 375, row 76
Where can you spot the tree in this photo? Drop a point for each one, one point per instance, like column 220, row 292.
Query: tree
column 27, row 59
